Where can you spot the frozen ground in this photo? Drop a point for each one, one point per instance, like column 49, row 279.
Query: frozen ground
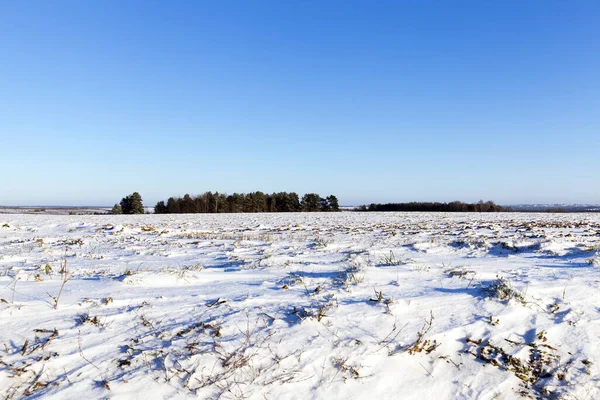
column 298, row 306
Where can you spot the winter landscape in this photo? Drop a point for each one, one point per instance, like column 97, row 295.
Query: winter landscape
column 300, row 305
column 300, row 199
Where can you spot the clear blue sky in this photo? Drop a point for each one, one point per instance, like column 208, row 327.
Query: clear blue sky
column 373, row 101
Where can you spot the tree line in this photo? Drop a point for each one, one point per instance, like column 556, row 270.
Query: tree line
column 256, row 202
column 453, row 206
column 253, row 202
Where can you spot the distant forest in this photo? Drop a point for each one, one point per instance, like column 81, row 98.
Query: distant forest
column 454, row 206
column 254, row 202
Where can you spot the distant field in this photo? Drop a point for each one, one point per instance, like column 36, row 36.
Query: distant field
column 299, row 306
column 54, row 210
column 60, row 210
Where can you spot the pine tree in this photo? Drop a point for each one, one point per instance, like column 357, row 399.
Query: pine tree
column 311, row 202
column 172, row 206
column 324, row 204
column 126, row 205
column 137, row 206
column 332, row 201
column 187, row 204
column 132, row 204
column 160, row 208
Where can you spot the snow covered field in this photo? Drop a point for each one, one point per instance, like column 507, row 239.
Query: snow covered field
column 299, row 306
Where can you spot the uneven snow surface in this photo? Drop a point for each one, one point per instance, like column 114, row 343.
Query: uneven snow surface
column 300, row 306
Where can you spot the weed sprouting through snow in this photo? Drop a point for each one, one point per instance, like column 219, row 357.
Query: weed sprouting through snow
column 501, row 289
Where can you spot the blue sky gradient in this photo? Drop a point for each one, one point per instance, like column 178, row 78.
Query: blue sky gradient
column 374, row 101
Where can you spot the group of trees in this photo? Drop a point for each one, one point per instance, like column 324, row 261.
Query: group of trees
column 131, row 204
column 454, row 206
column 246, row 202
column 282, row 202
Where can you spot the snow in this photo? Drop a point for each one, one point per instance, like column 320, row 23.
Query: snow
column 295, row 306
